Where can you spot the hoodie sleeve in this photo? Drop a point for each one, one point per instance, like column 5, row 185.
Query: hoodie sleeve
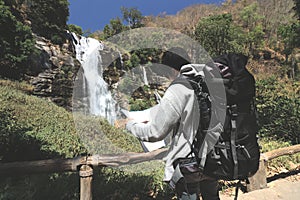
column 163, row 117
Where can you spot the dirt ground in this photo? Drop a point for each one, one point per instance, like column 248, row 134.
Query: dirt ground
column 280, row 187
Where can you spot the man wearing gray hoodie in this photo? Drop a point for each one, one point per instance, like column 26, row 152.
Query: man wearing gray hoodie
column 177, row 114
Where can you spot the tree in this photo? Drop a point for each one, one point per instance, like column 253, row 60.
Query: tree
column 276, row 13
column 16, row 43
column 75, row 29
column 114, row 27
column 290, row 39
column 133, row 17
column 49, row 18
column 288, row 34
column 218, row 35
column 252, row 24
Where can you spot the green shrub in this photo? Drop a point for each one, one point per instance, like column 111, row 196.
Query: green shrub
column 278, row 105
column 40, row 186
column 218, row 34
column 115, row 184
column 22, row 86
column 49, row 126
column 99, row 137
column 12, row 133
column 141, row 104
column 53, row 127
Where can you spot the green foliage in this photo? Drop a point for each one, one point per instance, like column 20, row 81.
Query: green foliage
column 278, row 105
column 147, row 55
column 255, row 38
column 218, row 35
column 11, row 133
column 75, row 29
column 41, row 186
column 108, row 183
column 133, row 17
column 16, row 43
column 134, row 61
column 142, row 98
column 252, row 24
column 49, row 18
column 116, row 184
column 289, row 37
column 22, row 86
column 99, row 137
column 142, row 57
column 39, row 130
column 114, row 27
column 250, row 17
column 141, row 104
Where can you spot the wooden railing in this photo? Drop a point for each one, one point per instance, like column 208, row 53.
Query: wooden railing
column 85, row 165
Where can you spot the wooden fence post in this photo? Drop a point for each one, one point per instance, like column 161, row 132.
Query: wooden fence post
column 86, row 177
column 259, row 179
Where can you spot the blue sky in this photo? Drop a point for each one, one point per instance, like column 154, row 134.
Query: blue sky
column 95, row 14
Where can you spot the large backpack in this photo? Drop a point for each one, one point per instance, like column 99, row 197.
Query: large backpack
column 226, row 149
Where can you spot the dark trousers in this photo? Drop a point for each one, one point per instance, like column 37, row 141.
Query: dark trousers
column 191, row 191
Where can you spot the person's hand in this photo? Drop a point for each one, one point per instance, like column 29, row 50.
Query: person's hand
column 121, row 123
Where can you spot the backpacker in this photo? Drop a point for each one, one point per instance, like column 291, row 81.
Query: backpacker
column 226, row 149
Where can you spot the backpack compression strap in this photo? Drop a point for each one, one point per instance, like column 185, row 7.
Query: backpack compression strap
column 233, row 136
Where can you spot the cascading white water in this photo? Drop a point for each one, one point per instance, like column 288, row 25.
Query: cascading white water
column 145, row 76
column 100, row 101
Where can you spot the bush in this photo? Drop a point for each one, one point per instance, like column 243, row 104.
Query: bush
column 39, row 122
column 278, row 105
column 140, row 181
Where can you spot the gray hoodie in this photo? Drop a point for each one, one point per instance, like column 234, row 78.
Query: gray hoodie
column 177, row 115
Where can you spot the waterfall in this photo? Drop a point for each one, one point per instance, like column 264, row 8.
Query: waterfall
column 121, row 60
column 100, row 101
column 145, row 76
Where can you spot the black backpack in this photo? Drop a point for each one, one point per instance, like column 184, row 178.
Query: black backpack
column 226, row 150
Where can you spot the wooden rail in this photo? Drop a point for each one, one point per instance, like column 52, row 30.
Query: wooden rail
column 83, row 164
column 74, row 164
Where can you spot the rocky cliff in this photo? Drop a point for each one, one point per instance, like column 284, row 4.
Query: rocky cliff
column 54, row 69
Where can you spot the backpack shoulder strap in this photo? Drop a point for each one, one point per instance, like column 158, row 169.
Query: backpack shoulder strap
column 183, row 80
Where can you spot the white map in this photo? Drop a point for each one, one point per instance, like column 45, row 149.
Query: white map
column 142, row 117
